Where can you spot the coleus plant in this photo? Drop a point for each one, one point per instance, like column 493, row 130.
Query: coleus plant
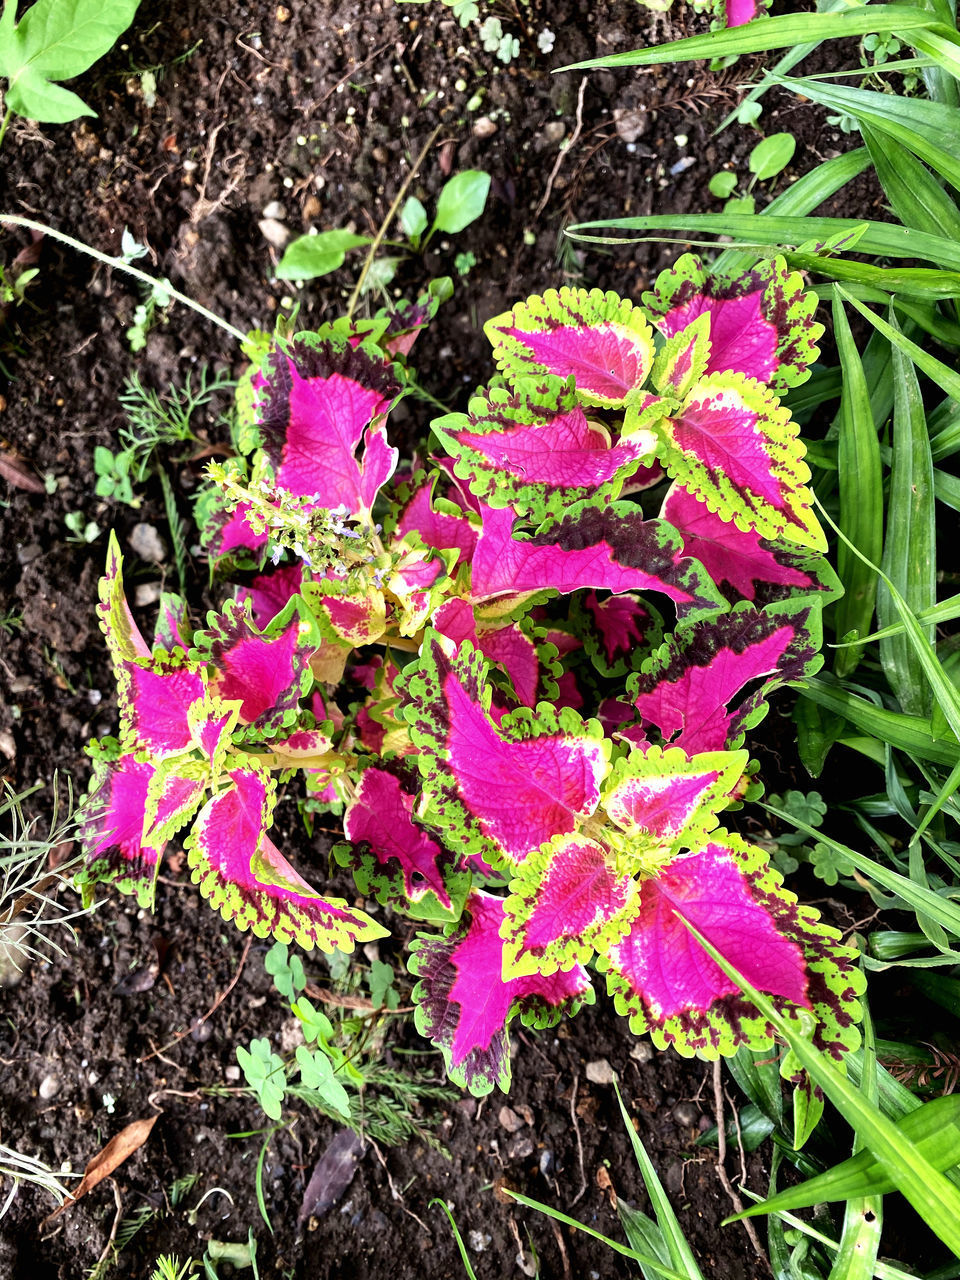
column 726, row 13
column 521, row 669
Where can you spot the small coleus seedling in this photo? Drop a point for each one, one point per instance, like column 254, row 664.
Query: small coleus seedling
column 522, row 672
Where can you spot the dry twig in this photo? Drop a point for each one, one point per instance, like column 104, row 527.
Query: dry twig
column 722, row 1172
column 181, row 1035
column 576, row 1129
column 564, row 151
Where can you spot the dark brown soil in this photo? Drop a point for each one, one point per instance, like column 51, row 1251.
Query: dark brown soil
column 319, row 108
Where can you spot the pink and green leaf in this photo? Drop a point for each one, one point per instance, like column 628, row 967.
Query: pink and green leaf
column 665, row 799
column 173, row 630
column 602, row 341
column 112, row 830
column 620, row 632
column 761, row 323
column 567, row 900
column 267, row 671
column 612, row 548
column 754, row 567
column 509, row 646
column 350, row 615
column 661, row 979
column 499, row 791
column 464, row 1005
column 270, row 593
column 392, row 856
column 439, row 523
column 733, row 445
column 247, row 879
column 690, row 689
column 532, row 448
column 122, row 634
column 155, row 698
column 320, row 400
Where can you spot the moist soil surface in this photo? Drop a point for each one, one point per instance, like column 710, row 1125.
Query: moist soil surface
column 265, row 121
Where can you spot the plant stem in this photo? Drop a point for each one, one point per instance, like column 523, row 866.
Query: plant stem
column 391, row 212
column 119, row 264
column 3, row 126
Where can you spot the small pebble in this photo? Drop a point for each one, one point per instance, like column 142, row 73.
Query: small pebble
column 232, row 1073
column 631, row 125
column 274, row 210
column 642, row 1051
column 686, row 1113
column 478, row 1240
column 483, row 127
column 49, row 1087
column 520, row 1148
column 275, row 233
column 146, row 542
column 12, row 957
column 509, row 1120
column 600, row 1072
column 547, row 1162
column 554, row 130
column 147, row 593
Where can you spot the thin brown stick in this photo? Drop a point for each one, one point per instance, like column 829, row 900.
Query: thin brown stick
column 736, row 1125
column 722, row 1172
column 576, row 1129
column 378, row 238
column 182, row 1035
column 558, row 1236
column 353, row 71
column 113, row 1230
column 564, row 151
column 398, row 1195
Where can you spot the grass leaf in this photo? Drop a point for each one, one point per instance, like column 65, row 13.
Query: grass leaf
column 861, row 495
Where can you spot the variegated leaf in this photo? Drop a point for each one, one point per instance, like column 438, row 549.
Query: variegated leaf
column 464, row 1005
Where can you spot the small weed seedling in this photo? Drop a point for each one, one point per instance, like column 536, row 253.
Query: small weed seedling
column 769, row 157
column 462, row 201
column 53, row 41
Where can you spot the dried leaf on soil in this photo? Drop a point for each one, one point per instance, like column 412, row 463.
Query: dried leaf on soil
column 332, row 1174
column 105, row 1162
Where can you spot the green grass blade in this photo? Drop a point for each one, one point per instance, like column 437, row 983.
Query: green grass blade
column 882, row 239
column 915, row 196
column 946, row 611
column 924, row 283
column 912, row 734
column 806, row 194
column 465, row 1257
column 863, row 1215
column 861, row 495
column 681, row 1256
column 931, row 1194
column 654, row 1264
column 642, row 1234
column 943, row 910
column 909, row 551
column 773, row 33
column 758, row 1075
column 945, row 693
column 786, row 63
column 946, row 489
column 928, row 129
column 934, row 1129
column 946, row 378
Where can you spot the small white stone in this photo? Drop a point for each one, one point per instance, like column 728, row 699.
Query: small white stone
column 274, row 210
column 147, row 593
column 49, row 1087
column 600, row 1072
column 484, row 127
column 146, row 542
column 274, row 232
